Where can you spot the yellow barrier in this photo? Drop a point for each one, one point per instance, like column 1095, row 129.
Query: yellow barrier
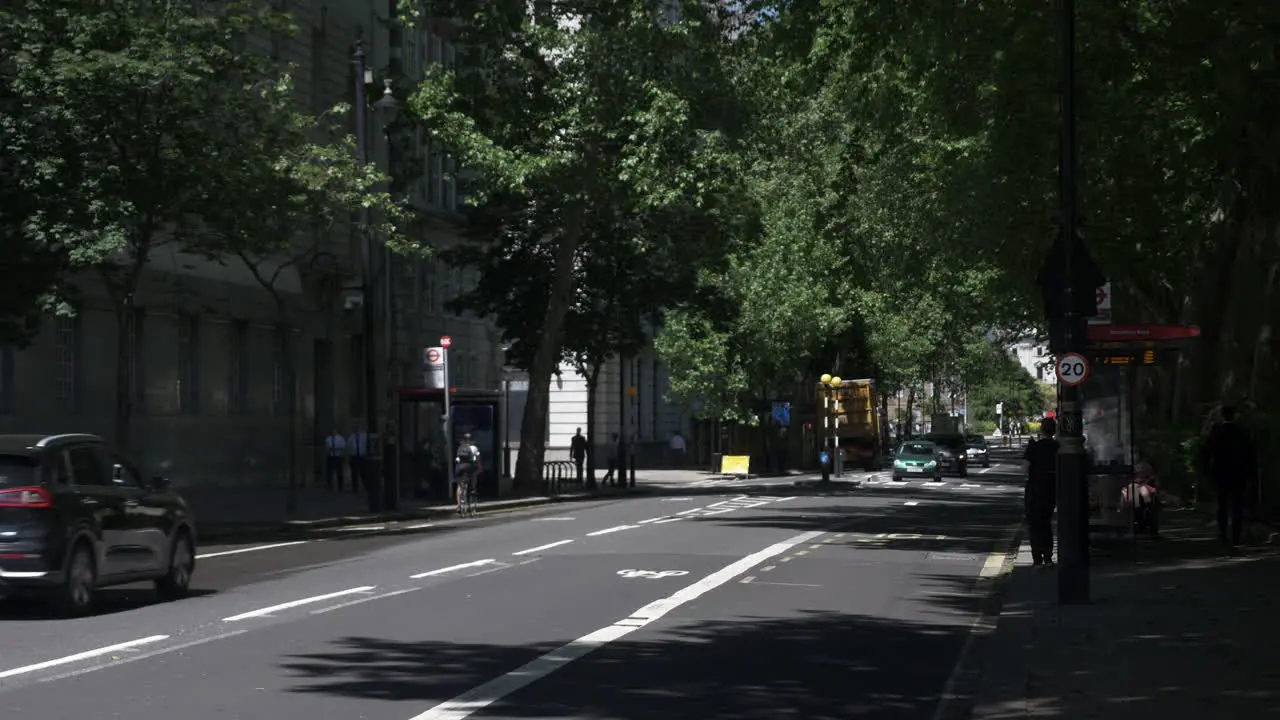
column 735, row 464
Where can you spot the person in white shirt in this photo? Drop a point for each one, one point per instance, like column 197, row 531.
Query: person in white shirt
column 677, row 448
column 358, row 456
column 335, row 449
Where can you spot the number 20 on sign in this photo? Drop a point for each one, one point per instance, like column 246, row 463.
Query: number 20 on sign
column 1073, row 369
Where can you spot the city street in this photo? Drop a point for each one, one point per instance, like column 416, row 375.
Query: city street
column 790, row 601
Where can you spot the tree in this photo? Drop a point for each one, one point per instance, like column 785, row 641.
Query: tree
column 139, row 119
column 563, row 110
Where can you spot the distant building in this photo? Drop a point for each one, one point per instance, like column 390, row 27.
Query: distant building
column 1034, row 356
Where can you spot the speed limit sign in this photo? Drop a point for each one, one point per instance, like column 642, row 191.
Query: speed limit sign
column 1073, row 369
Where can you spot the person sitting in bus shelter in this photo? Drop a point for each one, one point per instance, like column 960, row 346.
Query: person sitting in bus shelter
column 1142, row 496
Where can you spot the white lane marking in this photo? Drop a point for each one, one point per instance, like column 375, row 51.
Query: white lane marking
column 86, row 655
column 361, row 528
column 451, row 568
column 349, row 603
column 997, row 563
column 935, row 485
column 478, row 698
column 298, row 603
column 142, row 655
column 969, row 486
column 551, row 519
column 540, row 548
column 255, row 548
column 606, row 531
column 668, row 520
column 651, row 520
column 420, row 526
column 679, row 499
column 984, row 471
column 911, row 503
column 691, row 511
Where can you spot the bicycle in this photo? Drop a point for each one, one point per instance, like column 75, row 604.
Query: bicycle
column 466, row 495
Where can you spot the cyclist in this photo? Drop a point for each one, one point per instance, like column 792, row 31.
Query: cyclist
column 467, row 468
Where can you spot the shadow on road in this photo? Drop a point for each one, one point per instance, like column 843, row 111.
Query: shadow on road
column 108, row 601
column 818, row 665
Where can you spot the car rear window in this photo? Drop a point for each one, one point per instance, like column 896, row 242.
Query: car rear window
column 917, row 448
column 18, row 471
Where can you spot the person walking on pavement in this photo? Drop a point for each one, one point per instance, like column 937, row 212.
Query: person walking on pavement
column 615, row 447
column 677, row 447
column 1232, row 463
column 467, row 469
column 335, row 449
column 578, row 451
column 1040, row 496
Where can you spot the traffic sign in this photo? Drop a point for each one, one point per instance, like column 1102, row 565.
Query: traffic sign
column 446, row 341
column 433, row 356
column 1073, row 369
column 1120, row 333
column 433, row 368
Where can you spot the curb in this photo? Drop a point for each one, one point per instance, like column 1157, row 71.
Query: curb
column 228, row 533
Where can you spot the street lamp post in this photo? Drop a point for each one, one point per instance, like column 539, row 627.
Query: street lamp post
column 634, row 393
column 386, row 108
column 831, row 421
column 371, row 469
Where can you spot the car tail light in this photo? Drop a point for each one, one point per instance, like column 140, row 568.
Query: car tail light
column 26, row 497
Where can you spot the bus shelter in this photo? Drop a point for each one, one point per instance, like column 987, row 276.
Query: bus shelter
column 422, row 470
column 1119, row 355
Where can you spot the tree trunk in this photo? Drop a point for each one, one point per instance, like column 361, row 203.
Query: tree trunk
column 124, row 361
column 593, row 380
column 533, row 430
column 291, row 434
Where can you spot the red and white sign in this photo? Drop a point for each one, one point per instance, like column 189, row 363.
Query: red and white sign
column 1104, row 298
column 1073, row 369
column 1120, row 333
column 433, row 375
column 446, row 341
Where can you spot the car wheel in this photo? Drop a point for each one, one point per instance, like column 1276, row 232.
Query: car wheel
column 75, row 596
column 182, row 563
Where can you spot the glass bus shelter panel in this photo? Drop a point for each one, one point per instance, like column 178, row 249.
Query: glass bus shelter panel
column 1108, row 442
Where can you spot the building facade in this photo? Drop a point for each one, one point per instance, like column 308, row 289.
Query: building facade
column 206, row 352
column 1034, row 356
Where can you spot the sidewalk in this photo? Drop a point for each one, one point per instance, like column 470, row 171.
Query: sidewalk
column 1189, row 632
column 224, row 516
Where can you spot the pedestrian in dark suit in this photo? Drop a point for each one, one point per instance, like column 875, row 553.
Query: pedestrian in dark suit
column 1232, row 464
column 1040, row 495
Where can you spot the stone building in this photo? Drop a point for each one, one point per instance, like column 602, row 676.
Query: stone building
column 207, row 377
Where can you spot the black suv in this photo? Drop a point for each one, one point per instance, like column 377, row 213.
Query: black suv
column 75, row 516
column 953, row 452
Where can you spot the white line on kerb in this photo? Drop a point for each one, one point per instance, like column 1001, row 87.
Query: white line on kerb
column 87, row 655
column 298, row 603
column 540, row 548
column 451, row 568
column 255, row 548
column 481, row 697
column 615, row 529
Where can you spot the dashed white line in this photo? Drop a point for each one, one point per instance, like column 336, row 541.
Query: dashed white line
column 911, row 503
column 255, row 548
column 540, row 548
column 616, row 528
column 668, row 520
column 452, row 568
column 358, row 601
column 651, row 520
column 78, row 657
column 475, row 700
column 298, row 603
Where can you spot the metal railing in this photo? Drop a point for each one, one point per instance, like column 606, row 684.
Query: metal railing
column 556, row 473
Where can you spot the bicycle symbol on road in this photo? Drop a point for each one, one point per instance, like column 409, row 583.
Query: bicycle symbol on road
column 651, row 574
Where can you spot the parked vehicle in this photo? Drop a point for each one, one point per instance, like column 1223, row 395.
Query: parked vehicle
column 917, row 458
column 859, row 430
column 953, row 452
column 978, row 451
column 76, row 515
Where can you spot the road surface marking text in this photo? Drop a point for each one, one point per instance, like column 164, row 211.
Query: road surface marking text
column 451, row 568
column 298, row 603
column 86, row 655
column 614, row 529
column 540, row 548
column 255, row 548
column 478, row 698
column 651, row 574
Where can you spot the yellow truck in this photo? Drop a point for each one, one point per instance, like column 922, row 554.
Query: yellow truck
column 857, row 422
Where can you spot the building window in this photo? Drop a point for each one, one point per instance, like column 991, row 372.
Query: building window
column 279, row 381
column 7, row 373
column 237, row 367
column 188, row 364
column 64, row 339
column 137, row 345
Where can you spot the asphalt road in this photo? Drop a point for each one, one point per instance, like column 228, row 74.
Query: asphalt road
column 781, row 602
